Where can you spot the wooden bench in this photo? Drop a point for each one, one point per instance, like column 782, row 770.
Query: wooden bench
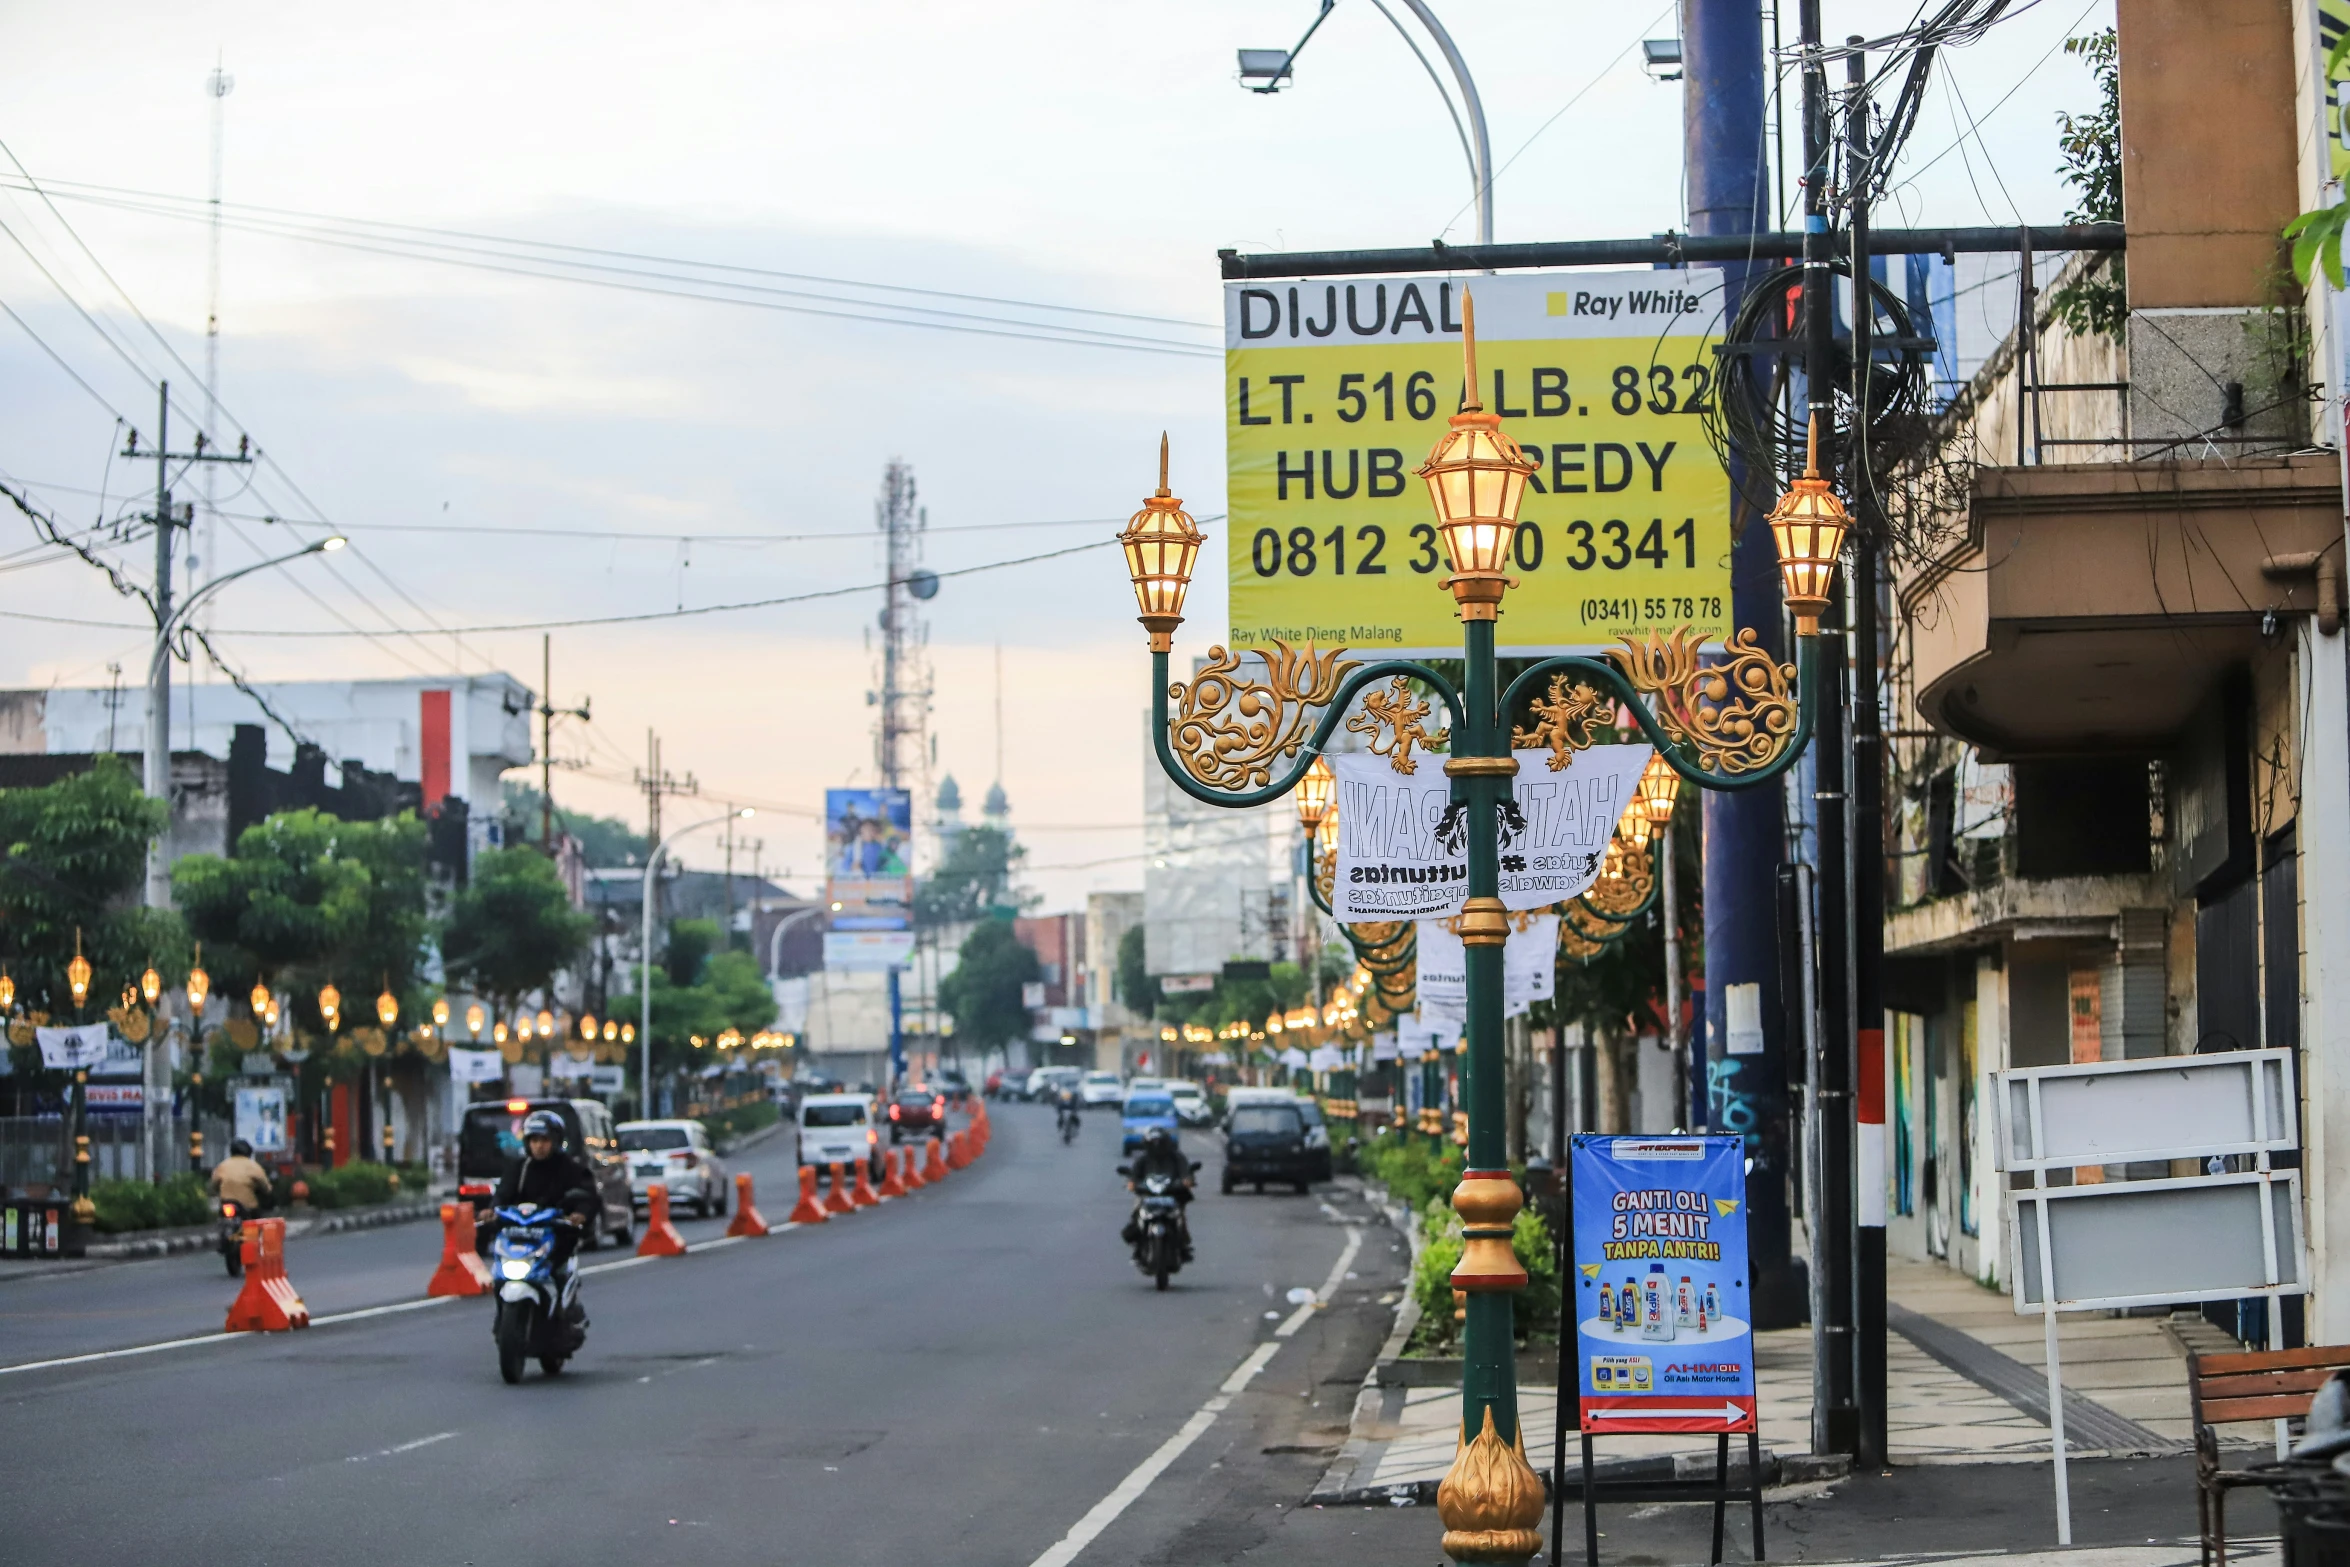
column 2233, row 1388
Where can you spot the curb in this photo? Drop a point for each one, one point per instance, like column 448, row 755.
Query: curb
column 203, row 1237
column 1779, row 1470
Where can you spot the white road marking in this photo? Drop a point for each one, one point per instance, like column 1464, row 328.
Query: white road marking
column 1105, row 1512
column 404, row 1447
column 380, row 1311
column 119, row 1354
column 1321, row 1297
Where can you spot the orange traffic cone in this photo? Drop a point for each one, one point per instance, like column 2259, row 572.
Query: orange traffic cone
column 934, row 1165
column 862, row 1193
column 462, row 1272
column 747, row 1221
column 839, row 1201
column 957, row 1154
column 891, row 1184
column 910, row 1170
column 809, row 1209
column 661, row 1237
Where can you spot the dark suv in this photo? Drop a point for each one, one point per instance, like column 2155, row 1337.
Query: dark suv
column 491, row 1134
column 1266, row 1142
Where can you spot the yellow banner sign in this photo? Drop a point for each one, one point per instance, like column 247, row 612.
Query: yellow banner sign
column 1334, row 393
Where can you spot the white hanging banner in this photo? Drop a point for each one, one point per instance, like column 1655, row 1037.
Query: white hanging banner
column 1392, row 864
column 1443, row 973
column 73, row 1049
column 475, row 1066
column 1383, row 1047
column 1420, row 1033
column 1529, row 965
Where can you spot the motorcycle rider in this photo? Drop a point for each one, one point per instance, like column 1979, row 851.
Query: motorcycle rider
column 1069, row 1111
column 552, row 1177
column 240, row 1179
column 1161, row 1155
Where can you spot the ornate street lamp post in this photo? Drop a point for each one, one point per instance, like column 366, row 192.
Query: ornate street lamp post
column 1731, row 723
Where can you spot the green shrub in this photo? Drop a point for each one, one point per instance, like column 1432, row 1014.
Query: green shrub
column 742, row 1120
column 1413, row 1169
column 358, row 1184
column 1533, row 1308
column 140, row 1205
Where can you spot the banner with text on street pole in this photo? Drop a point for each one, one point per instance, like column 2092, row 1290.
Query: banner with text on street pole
column 1664, row 1337
column 1335, row 392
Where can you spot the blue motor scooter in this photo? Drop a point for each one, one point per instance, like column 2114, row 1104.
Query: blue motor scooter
column 537, row 1303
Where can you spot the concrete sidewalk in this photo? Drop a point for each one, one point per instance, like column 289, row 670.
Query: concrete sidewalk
column 1966, row 1382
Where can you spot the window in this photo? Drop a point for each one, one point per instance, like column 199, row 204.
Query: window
column 833, row 1115
column 653, row 1139
column 1265, row 1121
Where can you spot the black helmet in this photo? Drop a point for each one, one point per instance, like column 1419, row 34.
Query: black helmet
column 543, row 1123
column 1158, row 1137
column 241, row 1149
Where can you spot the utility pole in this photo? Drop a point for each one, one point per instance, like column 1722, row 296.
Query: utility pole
column 1867, row 856
column 1835, row 1422
column 656, row 782
column 548, row 713
column 166, row 517
column 727, row 927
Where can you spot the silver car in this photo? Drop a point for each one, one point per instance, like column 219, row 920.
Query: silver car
column 677, row 1155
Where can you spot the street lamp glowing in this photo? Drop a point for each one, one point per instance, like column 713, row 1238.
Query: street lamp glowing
column 587, row 1026
column 1658, row 790
column 259, row 998
column 387, row 1006
column 327, row 546
column 546, row 1022
column 1161, row 543
column 77, row 973
column 610, row 1033
column 330, row 1006
column 7, row 991
column 1326, row 833
column 440, row 1011
column 1315, row 792
column 628, row 1033
column 498, row 1033
column 1809, row 525
column 1476, row 480
column 199, row 984
column 150, row 984
column 473, row 1019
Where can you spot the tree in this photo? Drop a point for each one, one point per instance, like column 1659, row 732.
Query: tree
column 605, row 842
column 307, row 899
column 974, row 880
column 1136, row 992
column 982, row 995
column 690, row 945
column 2097, row 302
column 513, row 926
column 74, row 854
column 727, row 991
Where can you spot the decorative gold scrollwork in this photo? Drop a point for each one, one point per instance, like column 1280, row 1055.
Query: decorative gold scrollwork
column 1625, row 879
column 1326, row 874
column 1734, row 716
column 1391, row 718
column 1577, row 945
column 1589, row 925
column 1228, row 732
column 1567, row 720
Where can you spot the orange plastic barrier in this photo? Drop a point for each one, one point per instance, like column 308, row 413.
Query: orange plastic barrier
column 892, row 1183
column 810, row 1210
column 839, row 1201
column 934, row 1165
column 748, row 1220
column 267, row 1303
column 862, row 1193
column 910, row 1170
column 462, row 1272
column 661, row 1237
column 958, row 1152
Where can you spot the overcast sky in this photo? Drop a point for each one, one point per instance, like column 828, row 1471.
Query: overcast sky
column 1093, row 157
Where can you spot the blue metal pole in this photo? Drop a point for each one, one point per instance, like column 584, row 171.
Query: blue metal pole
column 1740, row 1081
column 897, row 1031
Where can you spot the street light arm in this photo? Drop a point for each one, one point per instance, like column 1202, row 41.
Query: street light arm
column 1476, row 107
column 1299, row 47
column 1675, row 749
column 194, row 601
column 644, row 1032
column 775, row 941
column 1476, row 184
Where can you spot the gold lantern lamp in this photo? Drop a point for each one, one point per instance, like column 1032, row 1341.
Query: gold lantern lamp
column 1809, row 525
column 1658, row 791
column 330, row 1006
column 151, row 984
column 199, row 984
column 440, row 1012
column 1161, row 544
column 587, row 1025
column 473, row 1019
column 77, row 973
column 387, row 1006
column 1317, row 791
column 628, row 1033
column 7, row 991
column 546, row 1022
column 611, row 1031
column 1476, row 480
column 260, row 997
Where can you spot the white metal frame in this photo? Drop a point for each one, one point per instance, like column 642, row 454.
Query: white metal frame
column 2253, row 1067
column 2272, row 1254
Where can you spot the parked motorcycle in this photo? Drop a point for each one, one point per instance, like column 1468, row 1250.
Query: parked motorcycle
column 538, row 1303
column 232, row 1236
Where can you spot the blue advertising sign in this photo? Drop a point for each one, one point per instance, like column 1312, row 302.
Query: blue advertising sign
column 1664, row 1335
column 868, row 855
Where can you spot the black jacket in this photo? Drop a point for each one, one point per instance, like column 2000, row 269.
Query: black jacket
column 560, row 1180
column 1164, row 1159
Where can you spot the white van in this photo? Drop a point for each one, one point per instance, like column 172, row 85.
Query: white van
column 838, row 1129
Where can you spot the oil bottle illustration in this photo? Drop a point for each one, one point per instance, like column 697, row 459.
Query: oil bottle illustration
column 1656, row 1307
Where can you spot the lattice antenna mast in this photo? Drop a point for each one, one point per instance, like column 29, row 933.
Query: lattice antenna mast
column 901, row 754
column 206, row 560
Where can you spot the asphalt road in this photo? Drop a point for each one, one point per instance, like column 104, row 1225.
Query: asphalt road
column 963, row 1377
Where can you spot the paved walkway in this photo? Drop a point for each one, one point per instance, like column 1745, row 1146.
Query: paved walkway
column 1966, row 1383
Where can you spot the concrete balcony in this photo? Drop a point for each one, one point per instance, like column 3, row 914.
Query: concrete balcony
column 2091, row 607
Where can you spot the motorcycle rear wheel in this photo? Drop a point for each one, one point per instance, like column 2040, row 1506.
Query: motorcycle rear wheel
column 514, row 1324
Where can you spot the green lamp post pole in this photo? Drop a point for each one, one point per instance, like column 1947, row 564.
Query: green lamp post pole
column 1733, row 723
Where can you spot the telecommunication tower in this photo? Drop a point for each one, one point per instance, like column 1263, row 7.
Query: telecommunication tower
column 901, row 750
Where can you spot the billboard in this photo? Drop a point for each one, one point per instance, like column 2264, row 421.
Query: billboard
column 1336, row 391
column 1664, row 1336
column 868, row 858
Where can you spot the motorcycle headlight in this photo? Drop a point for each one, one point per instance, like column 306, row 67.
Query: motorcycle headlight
column 515, row 1268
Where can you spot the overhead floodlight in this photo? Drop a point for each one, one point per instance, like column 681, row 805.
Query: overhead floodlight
column 1263, row 65
column 1661, row 58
